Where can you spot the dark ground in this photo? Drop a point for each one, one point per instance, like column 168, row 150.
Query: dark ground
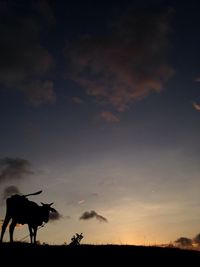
column 22, row 254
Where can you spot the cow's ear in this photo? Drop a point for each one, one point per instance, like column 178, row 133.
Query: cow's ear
column 50, row 204
column 53, row 210
column 42, row 203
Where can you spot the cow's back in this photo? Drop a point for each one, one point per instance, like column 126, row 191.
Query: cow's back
column 20, row 208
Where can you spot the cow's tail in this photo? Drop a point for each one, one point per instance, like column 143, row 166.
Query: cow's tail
column 33, row 194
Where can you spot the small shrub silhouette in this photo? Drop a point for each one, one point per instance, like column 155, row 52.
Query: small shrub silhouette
column 76, row 239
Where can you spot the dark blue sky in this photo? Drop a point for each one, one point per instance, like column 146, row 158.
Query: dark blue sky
column 102, row 99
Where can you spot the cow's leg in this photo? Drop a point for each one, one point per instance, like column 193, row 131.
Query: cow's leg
column 3, row 229
column 35, row 233
column 11, row 229
column 31, row 233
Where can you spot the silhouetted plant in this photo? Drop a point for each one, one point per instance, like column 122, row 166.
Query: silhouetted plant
column 76, row 239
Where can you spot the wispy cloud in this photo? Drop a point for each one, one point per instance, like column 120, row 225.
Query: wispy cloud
column 39, row 92
column 92, row 214
column 14, row 168
column 109, row 116
column 126, row 65
column 196, row 106
column 81, row 201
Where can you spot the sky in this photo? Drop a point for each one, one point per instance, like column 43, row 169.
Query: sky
column 100, row 109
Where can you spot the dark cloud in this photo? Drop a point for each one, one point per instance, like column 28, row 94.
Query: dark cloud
column 127, row 64
column 14, row 168
column 92, row 214
column 196, row 239
column 54, row 216
column 9, row 191
column 41, row 92
column 184, row 241
column 24, row 61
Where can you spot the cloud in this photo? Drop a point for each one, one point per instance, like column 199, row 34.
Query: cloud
column 108, row 116
column 10, row 190
column 14, row 168
column 54, row 216
column 196, row 106
column 41, row 92
column 184, row 241
column 24, row 61
column 126, row 65
column 81, row 201
column 196, row 239
column 92, row 214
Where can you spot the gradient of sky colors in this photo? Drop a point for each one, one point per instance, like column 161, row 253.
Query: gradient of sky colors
column 100, row 109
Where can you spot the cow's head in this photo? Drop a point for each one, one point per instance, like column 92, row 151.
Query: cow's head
column 46, row 210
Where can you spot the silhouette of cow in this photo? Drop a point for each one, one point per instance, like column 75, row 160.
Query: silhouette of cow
column 23, row 211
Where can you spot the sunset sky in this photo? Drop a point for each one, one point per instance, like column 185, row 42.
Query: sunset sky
column 100, row 109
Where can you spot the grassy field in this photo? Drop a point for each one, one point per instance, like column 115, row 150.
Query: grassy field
column 22, row 254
